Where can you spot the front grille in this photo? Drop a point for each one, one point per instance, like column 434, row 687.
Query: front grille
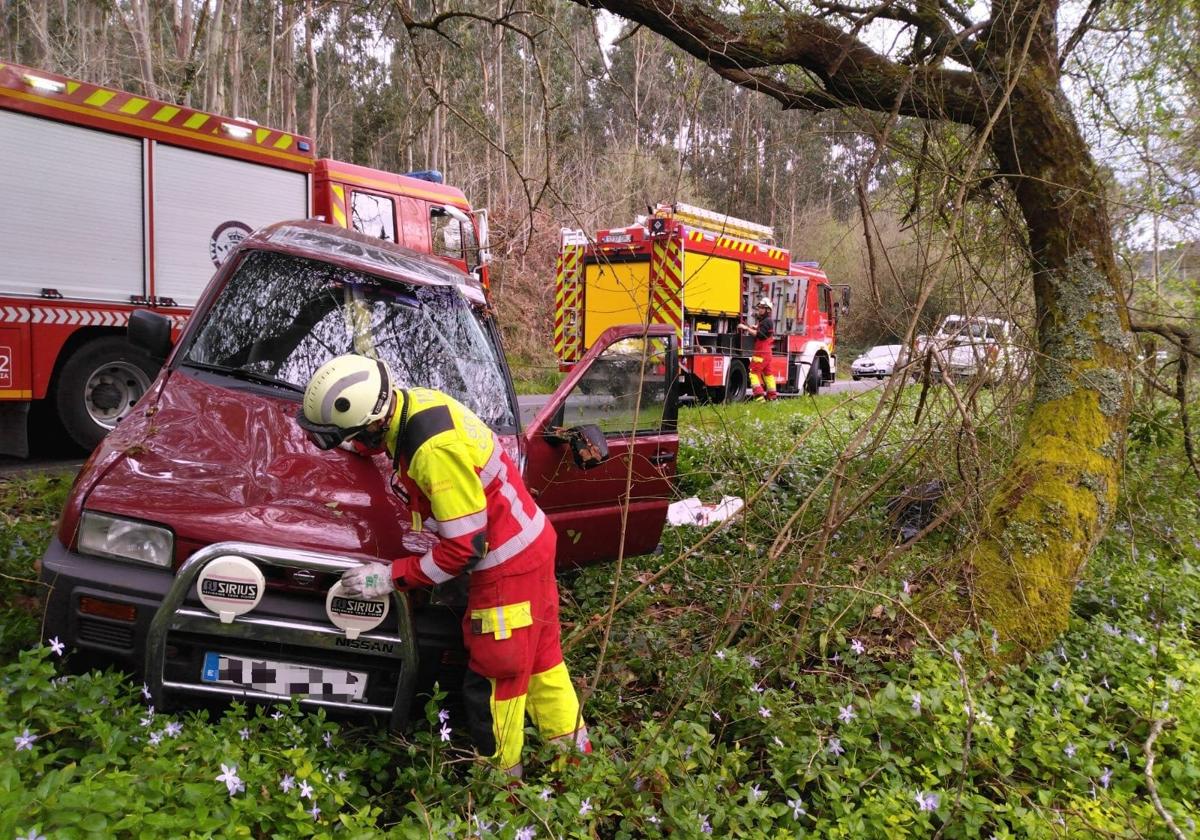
column 106, row 634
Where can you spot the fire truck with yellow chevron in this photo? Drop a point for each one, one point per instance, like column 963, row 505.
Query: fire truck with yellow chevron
column 114, row 202
column 700, row 272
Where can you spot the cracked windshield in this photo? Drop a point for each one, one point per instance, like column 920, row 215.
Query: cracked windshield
column 282, row 317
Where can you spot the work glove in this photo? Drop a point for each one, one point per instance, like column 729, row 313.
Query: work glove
column 370, row 580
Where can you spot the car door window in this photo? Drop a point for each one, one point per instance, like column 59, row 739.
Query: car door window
column 373, row 215
column 608, row 393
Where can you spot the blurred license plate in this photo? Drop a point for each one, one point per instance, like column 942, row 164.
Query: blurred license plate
column 284, row 678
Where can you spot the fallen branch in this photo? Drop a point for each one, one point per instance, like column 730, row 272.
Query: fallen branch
column 1148, row 750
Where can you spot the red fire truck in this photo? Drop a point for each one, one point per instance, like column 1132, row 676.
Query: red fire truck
column 700, row 272
column 113, row 201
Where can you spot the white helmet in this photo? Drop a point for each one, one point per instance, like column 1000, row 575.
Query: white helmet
column 765, row 302
column 344, row 396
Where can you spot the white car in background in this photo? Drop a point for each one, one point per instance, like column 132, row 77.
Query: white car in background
column 879, row 361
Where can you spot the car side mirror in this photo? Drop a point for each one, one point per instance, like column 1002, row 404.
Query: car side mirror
column 150, row 331
column 588, row 445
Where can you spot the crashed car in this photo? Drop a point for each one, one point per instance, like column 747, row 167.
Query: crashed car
column 201, row 543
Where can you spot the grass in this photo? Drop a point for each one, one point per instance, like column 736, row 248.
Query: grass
column 719, row 700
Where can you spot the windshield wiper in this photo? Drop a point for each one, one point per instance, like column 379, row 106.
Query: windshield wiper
column 245, row 374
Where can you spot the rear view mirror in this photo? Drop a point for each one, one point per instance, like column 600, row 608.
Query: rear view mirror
column 588, row 444
column 151, row 332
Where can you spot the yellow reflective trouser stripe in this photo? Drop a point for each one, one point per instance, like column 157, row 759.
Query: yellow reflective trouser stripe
column 508, row 727
column 553, row 704
column 504, row 619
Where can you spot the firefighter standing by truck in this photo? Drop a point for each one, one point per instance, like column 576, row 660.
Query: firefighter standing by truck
column 760, row 362
column 455, row 477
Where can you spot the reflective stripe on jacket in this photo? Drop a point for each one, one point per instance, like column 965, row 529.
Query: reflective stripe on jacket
column 461, row 485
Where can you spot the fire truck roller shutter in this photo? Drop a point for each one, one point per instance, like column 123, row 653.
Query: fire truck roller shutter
column 203, row 203
column 712, row 284
column 72, row 210
column 614, row 294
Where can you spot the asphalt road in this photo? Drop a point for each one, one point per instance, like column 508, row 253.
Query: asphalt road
column 47, row 456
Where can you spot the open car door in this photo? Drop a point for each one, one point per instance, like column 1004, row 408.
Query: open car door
column 615, row 411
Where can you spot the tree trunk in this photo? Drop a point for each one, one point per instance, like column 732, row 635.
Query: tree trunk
column 1058, row 497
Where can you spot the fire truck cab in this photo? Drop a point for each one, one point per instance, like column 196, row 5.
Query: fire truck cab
column 699, row 272
column 114, row 202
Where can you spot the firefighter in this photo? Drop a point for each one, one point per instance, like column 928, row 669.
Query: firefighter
column 760, row 362
column 467, row 495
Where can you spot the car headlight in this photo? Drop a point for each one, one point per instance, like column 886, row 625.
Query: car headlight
column 125, row 539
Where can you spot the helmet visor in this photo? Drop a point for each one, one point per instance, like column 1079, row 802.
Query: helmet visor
column 326, row 435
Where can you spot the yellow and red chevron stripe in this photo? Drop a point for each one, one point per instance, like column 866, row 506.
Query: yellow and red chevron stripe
column 666, row 283
column 766, row 259
column 338, row 205
column 48, row 94
column 568, row 271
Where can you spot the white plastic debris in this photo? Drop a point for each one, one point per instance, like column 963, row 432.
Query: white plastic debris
column 694, row 512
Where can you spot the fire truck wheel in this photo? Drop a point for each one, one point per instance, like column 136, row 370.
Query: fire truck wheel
column 812, row 382
column 98, row 386
column 735, row 383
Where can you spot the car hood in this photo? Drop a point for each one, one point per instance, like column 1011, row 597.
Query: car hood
column 215, row 463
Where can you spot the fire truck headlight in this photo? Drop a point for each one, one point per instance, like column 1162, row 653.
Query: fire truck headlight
column 125, row 539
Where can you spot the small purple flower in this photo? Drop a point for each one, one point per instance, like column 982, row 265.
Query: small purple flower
column 245, row 733
column 173, row 729
column 306, row 790
column 149, row 718
column 797, row 806
column 315, row 811
column 705, row 828
column 444, row 732
column 776, row 605
column 585, row 808
column 32, row 835
column 146, row 690
column 25, row 740
column 288, row 783
column 836, row 658
column 858, row 647
column 328, row 739
column 1105, row 778
column 764, row 712
column 916, row 702
column 546, row 794
column 57, row 646
column 721, row 655
column 156, row 738
column 443, row 715
column 834, row 747
column 927, row 801
column 230, row 777
column 846, row 713
column 904, row 587
column 957, row 656
column 1069, row 750
column 753, row 660
column 526, row 833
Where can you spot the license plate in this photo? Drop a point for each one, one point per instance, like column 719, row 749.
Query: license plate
column 284, row 678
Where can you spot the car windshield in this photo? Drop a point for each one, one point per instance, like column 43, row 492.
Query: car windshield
column 284, row 316
column 966, row 329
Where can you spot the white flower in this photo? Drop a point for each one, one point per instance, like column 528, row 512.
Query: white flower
column 776, row 605
column 846, row 713
column 245, row 733
column 306, row 790
column 916, row 702
column 835, row 746
column 716, row 715
column 546, row 794
column 149, row 718
column 755, row 793
column 288, row 783
column 25, row 740
column 585, row 808
column 858, row 647
column 904, row 587
column 57, row 646
column 721, row 655
column 445, row 732
column 1069, row 750
column 1105, row 778
column 653, row 819
column 797, row 806
column 443, row 715
column 146, row 690
column 156, row 737
column 753, row 660
column 32, row 835
column 173, row 729
column 328, row 739
column 763, row 711
column 230, row 777
column 278, row 715
column 927, row 801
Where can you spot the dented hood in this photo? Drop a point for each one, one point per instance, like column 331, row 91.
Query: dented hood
column 216, row 463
